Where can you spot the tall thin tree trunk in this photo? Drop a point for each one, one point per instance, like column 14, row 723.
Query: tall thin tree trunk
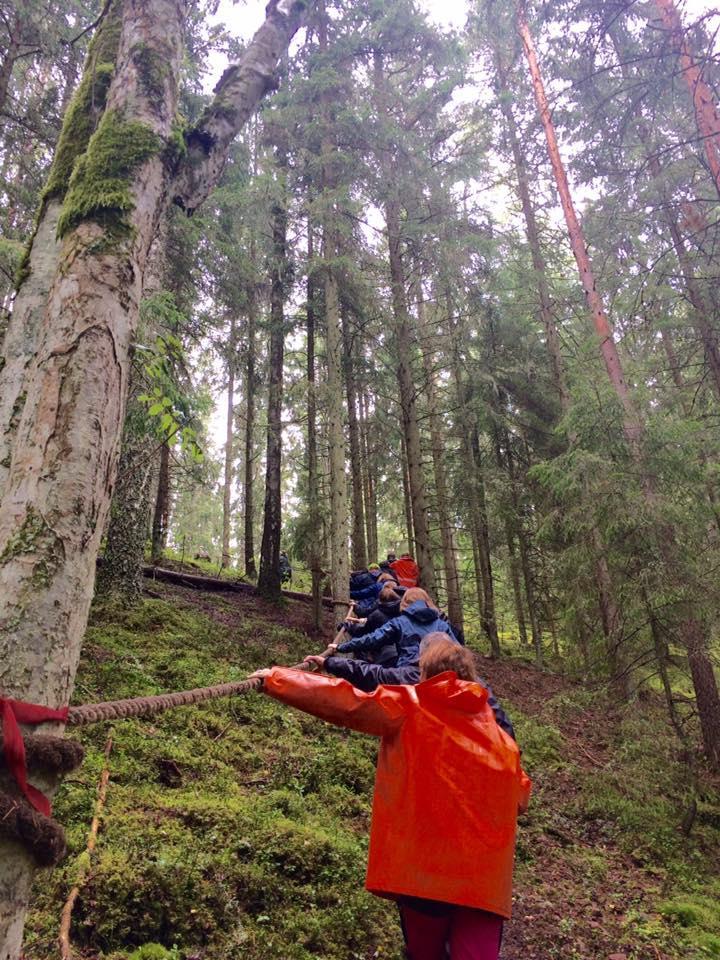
column 250, row 390
column 359, row 545
column 229, row 434
column 404, row 348
column 269, row 584
column 312, row 428
column 161, row 515
column 369, row 480
column 438, row 446
column 690, row 628
column 339, row 554
column 479, row 506
column 407, row 498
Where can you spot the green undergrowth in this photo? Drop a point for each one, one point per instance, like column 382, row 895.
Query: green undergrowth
column 238, row 828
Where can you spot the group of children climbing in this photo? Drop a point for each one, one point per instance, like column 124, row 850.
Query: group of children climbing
column 449, row 784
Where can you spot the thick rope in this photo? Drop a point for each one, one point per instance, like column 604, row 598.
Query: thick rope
column 147, row 706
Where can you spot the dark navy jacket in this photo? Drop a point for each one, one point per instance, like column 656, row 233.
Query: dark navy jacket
column 368, row 676
column 405, row 631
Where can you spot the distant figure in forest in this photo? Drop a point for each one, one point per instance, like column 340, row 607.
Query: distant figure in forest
column 285, row 568
column 202, row 554
column 406, row 570
column 448, row 789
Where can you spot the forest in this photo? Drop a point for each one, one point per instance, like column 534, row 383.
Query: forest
column 285, row 291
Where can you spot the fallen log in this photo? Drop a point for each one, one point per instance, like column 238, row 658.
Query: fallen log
column 199, row 582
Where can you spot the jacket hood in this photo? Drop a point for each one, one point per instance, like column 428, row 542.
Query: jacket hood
column 421, row 612
column 463, row 695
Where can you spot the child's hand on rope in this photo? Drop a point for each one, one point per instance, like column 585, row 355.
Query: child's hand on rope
column 260, row 675
column 315, row 661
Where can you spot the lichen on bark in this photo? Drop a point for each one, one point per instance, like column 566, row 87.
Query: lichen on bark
column 100, row 184
column 36, row 537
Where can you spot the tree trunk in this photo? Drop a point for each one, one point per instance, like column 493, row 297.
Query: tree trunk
column 269, row 580
column 479, row 507
column 359, row 545
column 161, row 515
column 438, row 446
column 404, row 347
column 407, row 499
column 122, row 569
column 250, row 388
column 369, row 480
column 312, row 457
column 228, row 479
column 706, row 115
column 689, row 629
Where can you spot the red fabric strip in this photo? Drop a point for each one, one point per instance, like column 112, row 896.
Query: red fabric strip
column 13, row 712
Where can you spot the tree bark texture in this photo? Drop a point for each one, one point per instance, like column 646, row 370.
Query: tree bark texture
column 269, row 579
column 315, row 551
column 339, row 557
column 121, row 572
column 369, row 480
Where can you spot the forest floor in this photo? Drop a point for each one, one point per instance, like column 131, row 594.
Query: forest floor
column 238, row 828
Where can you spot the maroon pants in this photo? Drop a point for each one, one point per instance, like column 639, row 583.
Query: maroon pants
column 468, row 934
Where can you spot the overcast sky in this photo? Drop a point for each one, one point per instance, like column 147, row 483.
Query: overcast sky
column 245, row 18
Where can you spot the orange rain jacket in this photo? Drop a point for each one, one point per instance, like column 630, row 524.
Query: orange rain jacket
column 447, row 789
column 406, row 571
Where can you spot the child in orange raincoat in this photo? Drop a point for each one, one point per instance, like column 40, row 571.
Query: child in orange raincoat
column 447, row 792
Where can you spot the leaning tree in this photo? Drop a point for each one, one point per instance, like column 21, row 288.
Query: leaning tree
column 122, row 157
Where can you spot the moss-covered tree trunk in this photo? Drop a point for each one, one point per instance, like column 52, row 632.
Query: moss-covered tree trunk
column 64, row 382
column 121, row 570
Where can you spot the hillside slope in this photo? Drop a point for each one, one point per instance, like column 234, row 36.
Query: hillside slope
column 239, row 828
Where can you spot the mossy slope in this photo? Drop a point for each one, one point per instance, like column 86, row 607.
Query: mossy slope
column 239, row 828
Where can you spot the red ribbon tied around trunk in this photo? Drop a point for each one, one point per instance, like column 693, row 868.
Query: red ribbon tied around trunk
column 13, row 712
